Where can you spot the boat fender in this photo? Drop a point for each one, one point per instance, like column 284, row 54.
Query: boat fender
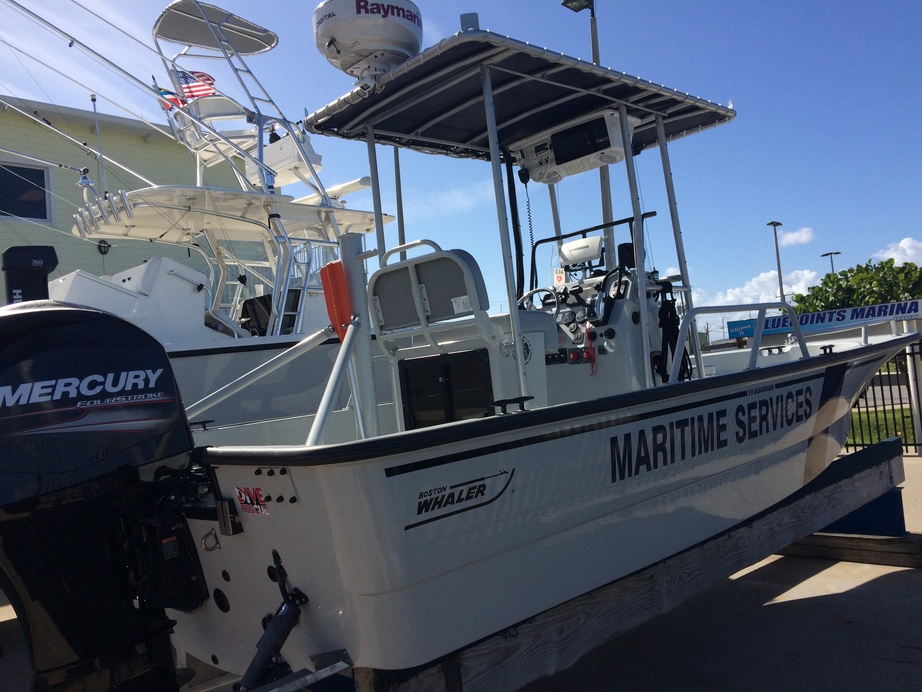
column 336, row 294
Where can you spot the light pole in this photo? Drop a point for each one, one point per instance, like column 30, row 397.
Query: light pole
column 579, row 6
column 832, row 266
column 604, row 179
column 774, row 225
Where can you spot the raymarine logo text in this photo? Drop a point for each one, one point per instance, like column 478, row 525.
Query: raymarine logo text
column 73, row 387
column 388, row 10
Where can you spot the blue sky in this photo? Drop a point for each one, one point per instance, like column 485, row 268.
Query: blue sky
column 827, row 138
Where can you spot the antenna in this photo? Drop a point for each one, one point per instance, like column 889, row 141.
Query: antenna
column 101, row 161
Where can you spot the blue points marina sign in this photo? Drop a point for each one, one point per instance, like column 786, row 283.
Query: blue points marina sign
column 821, row 321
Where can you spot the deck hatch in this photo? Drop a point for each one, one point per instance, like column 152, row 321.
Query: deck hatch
column 446, row 387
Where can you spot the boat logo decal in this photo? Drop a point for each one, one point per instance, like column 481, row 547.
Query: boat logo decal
column 89, row 386
column 444, row 501
column 526, row 348
column 251, row 500
column 386, row 10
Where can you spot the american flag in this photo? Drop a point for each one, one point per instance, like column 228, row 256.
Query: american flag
column 196, row 84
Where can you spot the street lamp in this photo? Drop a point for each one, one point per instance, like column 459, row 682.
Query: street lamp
column 577, row 5
column 832, row 267
column 774, row 225
column 604, row 178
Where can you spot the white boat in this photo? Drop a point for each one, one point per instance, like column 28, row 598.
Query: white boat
column 509, row 462
column 263, row 250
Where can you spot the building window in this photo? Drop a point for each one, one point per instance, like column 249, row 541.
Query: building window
column 23, row 192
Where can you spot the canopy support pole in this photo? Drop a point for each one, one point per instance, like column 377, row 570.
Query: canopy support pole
column 376, row 193
column 503, row 221
column 398, row 186
column 639, row 246
column 679, row 243
column 325, row 409
column 362, row 364
column 555, row 211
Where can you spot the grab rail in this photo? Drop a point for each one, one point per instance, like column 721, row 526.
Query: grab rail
column 325, row 409
column 533, row 275
column 692, row 314
column 409, row 246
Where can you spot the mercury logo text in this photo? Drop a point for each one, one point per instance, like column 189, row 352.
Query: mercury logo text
column 73, row 387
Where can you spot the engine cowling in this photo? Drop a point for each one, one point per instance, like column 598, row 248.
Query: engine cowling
column 82, row 393
column 94, row 448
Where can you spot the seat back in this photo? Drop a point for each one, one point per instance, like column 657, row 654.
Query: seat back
column 254, row 314
column 427, row 295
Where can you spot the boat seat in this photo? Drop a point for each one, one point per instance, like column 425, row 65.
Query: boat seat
column 428, row 295
column 216, row 107
column 256, row 312
column 201, row 140
column 208, row 109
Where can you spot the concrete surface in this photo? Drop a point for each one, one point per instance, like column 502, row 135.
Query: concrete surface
column 15, row 675
column 787, row 623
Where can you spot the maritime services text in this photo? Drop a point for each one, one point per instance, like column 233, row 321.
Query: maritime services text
column 645, row 449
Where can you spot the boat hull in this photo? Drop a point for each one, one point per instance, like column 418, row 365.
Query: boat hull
column 416, row 544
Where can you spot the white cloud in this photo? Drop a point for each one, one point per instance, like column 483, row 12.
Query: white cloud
column 800, row 237
column 761, row 289
column 907, row 250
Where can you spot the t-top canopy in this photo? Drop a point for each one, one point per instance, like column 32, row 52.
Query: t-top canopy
column 190, row 23
column 179, row 214
column 434, row 101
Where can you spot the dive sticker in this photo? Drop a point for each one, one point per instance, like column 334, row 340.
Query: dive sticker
column 251, row 500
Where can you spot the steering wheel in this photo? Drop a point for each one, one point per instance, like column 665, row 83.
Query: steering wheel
column 527, row 303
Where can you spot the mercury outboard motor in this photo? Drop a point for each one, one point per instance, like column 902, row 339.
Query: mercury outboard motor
column 94, row 458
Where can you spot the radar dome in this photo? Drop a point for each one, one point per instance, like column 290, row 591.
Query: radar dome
column 362, row 37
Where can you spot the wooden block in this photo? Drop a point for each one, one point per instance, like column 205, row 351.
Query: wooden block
column 905, row 551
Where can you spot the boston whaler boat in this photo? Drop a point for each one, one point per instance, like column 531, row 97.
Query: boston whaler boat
column 510, row 462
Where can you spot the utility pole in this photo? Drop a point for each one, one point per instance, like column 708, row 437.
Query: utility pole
column 774, row 225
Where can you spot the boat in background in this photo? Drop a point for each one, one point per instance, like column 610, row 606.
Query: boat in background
column 508, row 462
column 261, row 295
